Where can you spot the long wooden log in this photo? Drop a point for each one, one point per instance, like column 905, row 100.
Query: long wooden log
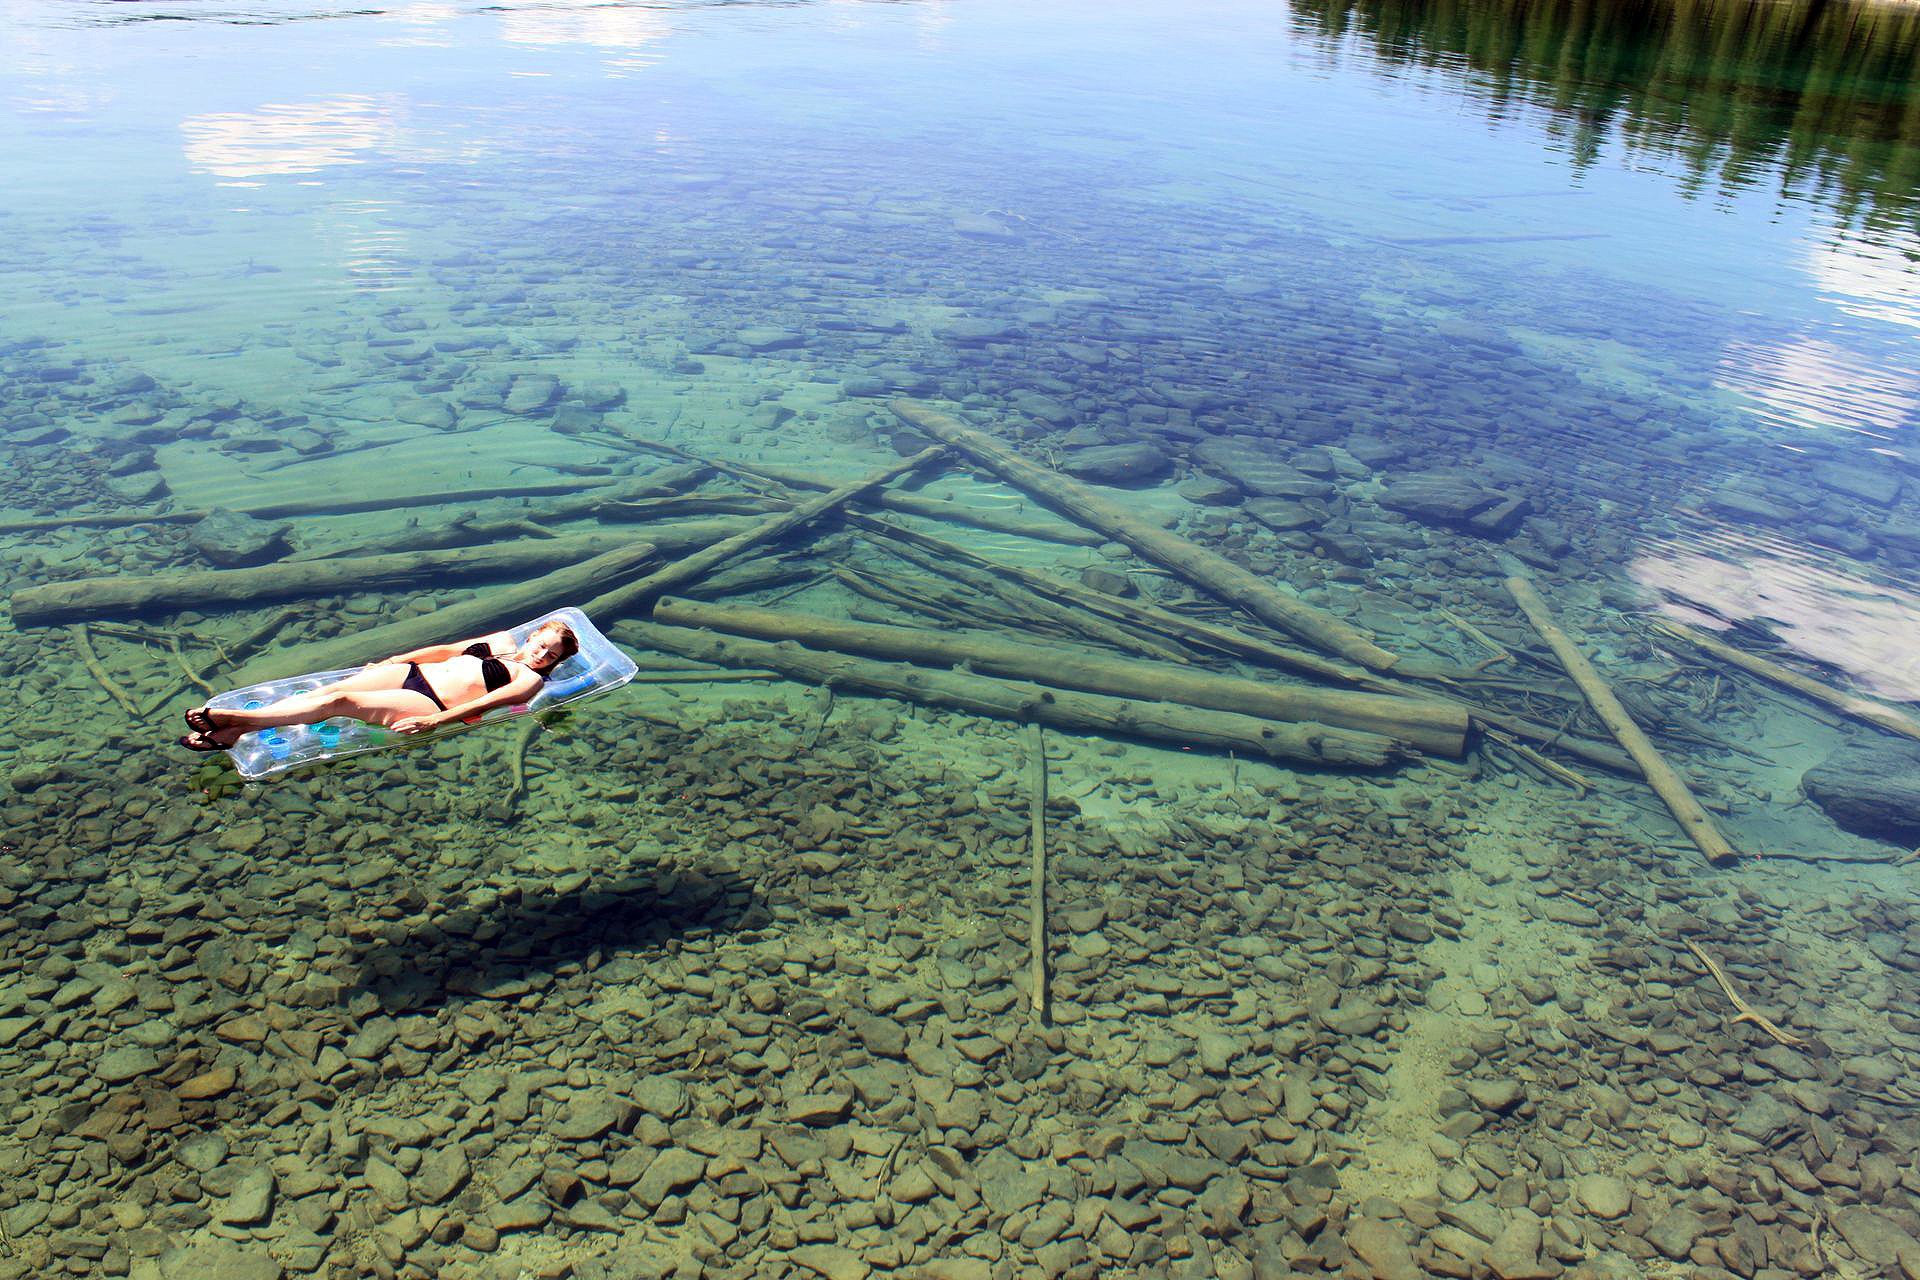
column 1874, row 713
column 1430, row 725
column 689, row 504
column 491, row 610
column 1136, row 613
column 1666, row 783
column 306, row 507
column 1037, row 892
column 622, row 599
column 658, row 483
column 1067, row 709
column 919, row 504
column 441, row 537
column 1204, row 568
column 780, row 481
column 1023, row 599
column 213, row 589
column 1598, row 753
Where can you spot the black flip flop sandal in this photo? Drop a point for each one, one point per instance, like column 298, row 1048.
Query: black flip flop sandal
column 200, row 720
column 197, row 741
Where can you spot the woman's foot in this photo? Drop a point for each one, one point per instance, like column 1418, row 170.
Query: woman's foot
column 200, row 720
column 207, row 729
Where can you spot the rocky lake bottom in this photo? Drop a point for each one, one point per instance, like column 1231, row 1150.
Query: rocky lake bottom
column 730, row 980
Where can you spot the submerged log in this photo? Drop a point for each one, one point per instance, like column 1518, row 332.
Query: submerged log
column 214, row 589
column 1192, row 632
column 1089, row 713
column 1037, row 891
column 490, row 611
column 1041, row 607
column 919, row 504
column 622, row 599
column 1666, row 783
column 1203, row 568
column 659, row 483
column 1431, row 726
column 780, row 481
column 640, row 510
column 309, row 507
column 1597, row 753
column 1877, row 714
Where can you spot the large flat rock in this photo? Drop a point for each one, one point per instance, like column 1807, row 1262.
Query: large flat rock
column 1255, row 465
column 1870, row 790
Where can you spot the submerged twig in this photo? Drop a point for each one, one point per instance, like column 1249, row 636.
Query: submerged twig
column 84, row 645
column 1037, row 787
column 1553, row 768
column 1745, row 1011
column 1499, row 651
column 820, row 726
column 179, row 656
column 517, row 763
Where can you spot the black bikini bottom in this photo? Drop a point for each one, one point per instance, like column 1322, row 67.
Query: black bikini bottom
column 418, row 683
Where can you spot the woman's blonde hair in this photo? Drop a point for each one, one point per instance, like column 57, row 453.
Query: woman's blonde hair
column 569, row 642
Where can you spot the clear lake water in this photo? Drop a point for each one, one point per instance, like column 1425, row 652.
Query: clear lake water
column 306, row 313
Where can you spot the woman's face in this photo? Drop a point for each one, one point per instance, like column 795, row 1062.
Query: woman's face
column 543, row 648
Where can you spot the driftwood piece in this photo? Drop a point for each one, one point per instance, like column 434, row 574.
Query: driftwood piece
column 1660, row 775
column 1874, row 713
column 187, row 668
column 1023, row 599
column 83, row 644
column 622, row 599
column 312, row 507
column 661, row 482
column 500, row 607
column 466, row 531
column 1429, row 725
column 780, row 481
column 756, row 575
column 1073, row 711
column 1743, row 1011
column 230, row 655
column 1147, row 617
column 681, row 505
column 211, row 589
column 1551, row 768
column 1603, row 754
column 919, row 504
column 1037, row 840
column 1207, row 569
column 927, row 601
column 517, row 764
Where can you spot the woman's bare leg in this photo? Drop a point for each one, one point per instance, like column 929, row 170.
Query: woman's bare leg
column 375, row 706
column 232, row 723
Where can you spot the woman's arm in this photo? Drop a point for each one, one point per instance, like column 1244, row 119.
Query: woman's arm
column 426, row 653
column 520, row 689
column 498, row 643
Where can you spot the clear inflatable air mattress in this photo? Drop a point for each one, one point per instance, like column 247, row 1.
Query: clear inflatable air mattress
column 598, row 667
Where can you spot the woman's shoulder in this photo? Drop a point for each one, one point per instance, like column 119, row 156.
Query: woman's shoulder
column 497, row 643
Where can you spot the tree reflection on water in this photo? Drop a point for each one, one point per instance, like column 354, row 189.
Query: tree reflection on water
column 1821, row 100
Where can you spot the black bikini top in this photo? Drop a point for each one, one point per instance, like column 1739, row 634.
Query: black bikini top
column 492, row 670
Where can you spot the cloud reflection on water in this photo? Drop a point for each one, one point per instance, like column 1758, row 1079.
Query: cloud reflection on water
column 1809, row 382
column 1818, row 609
column 288, row 138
